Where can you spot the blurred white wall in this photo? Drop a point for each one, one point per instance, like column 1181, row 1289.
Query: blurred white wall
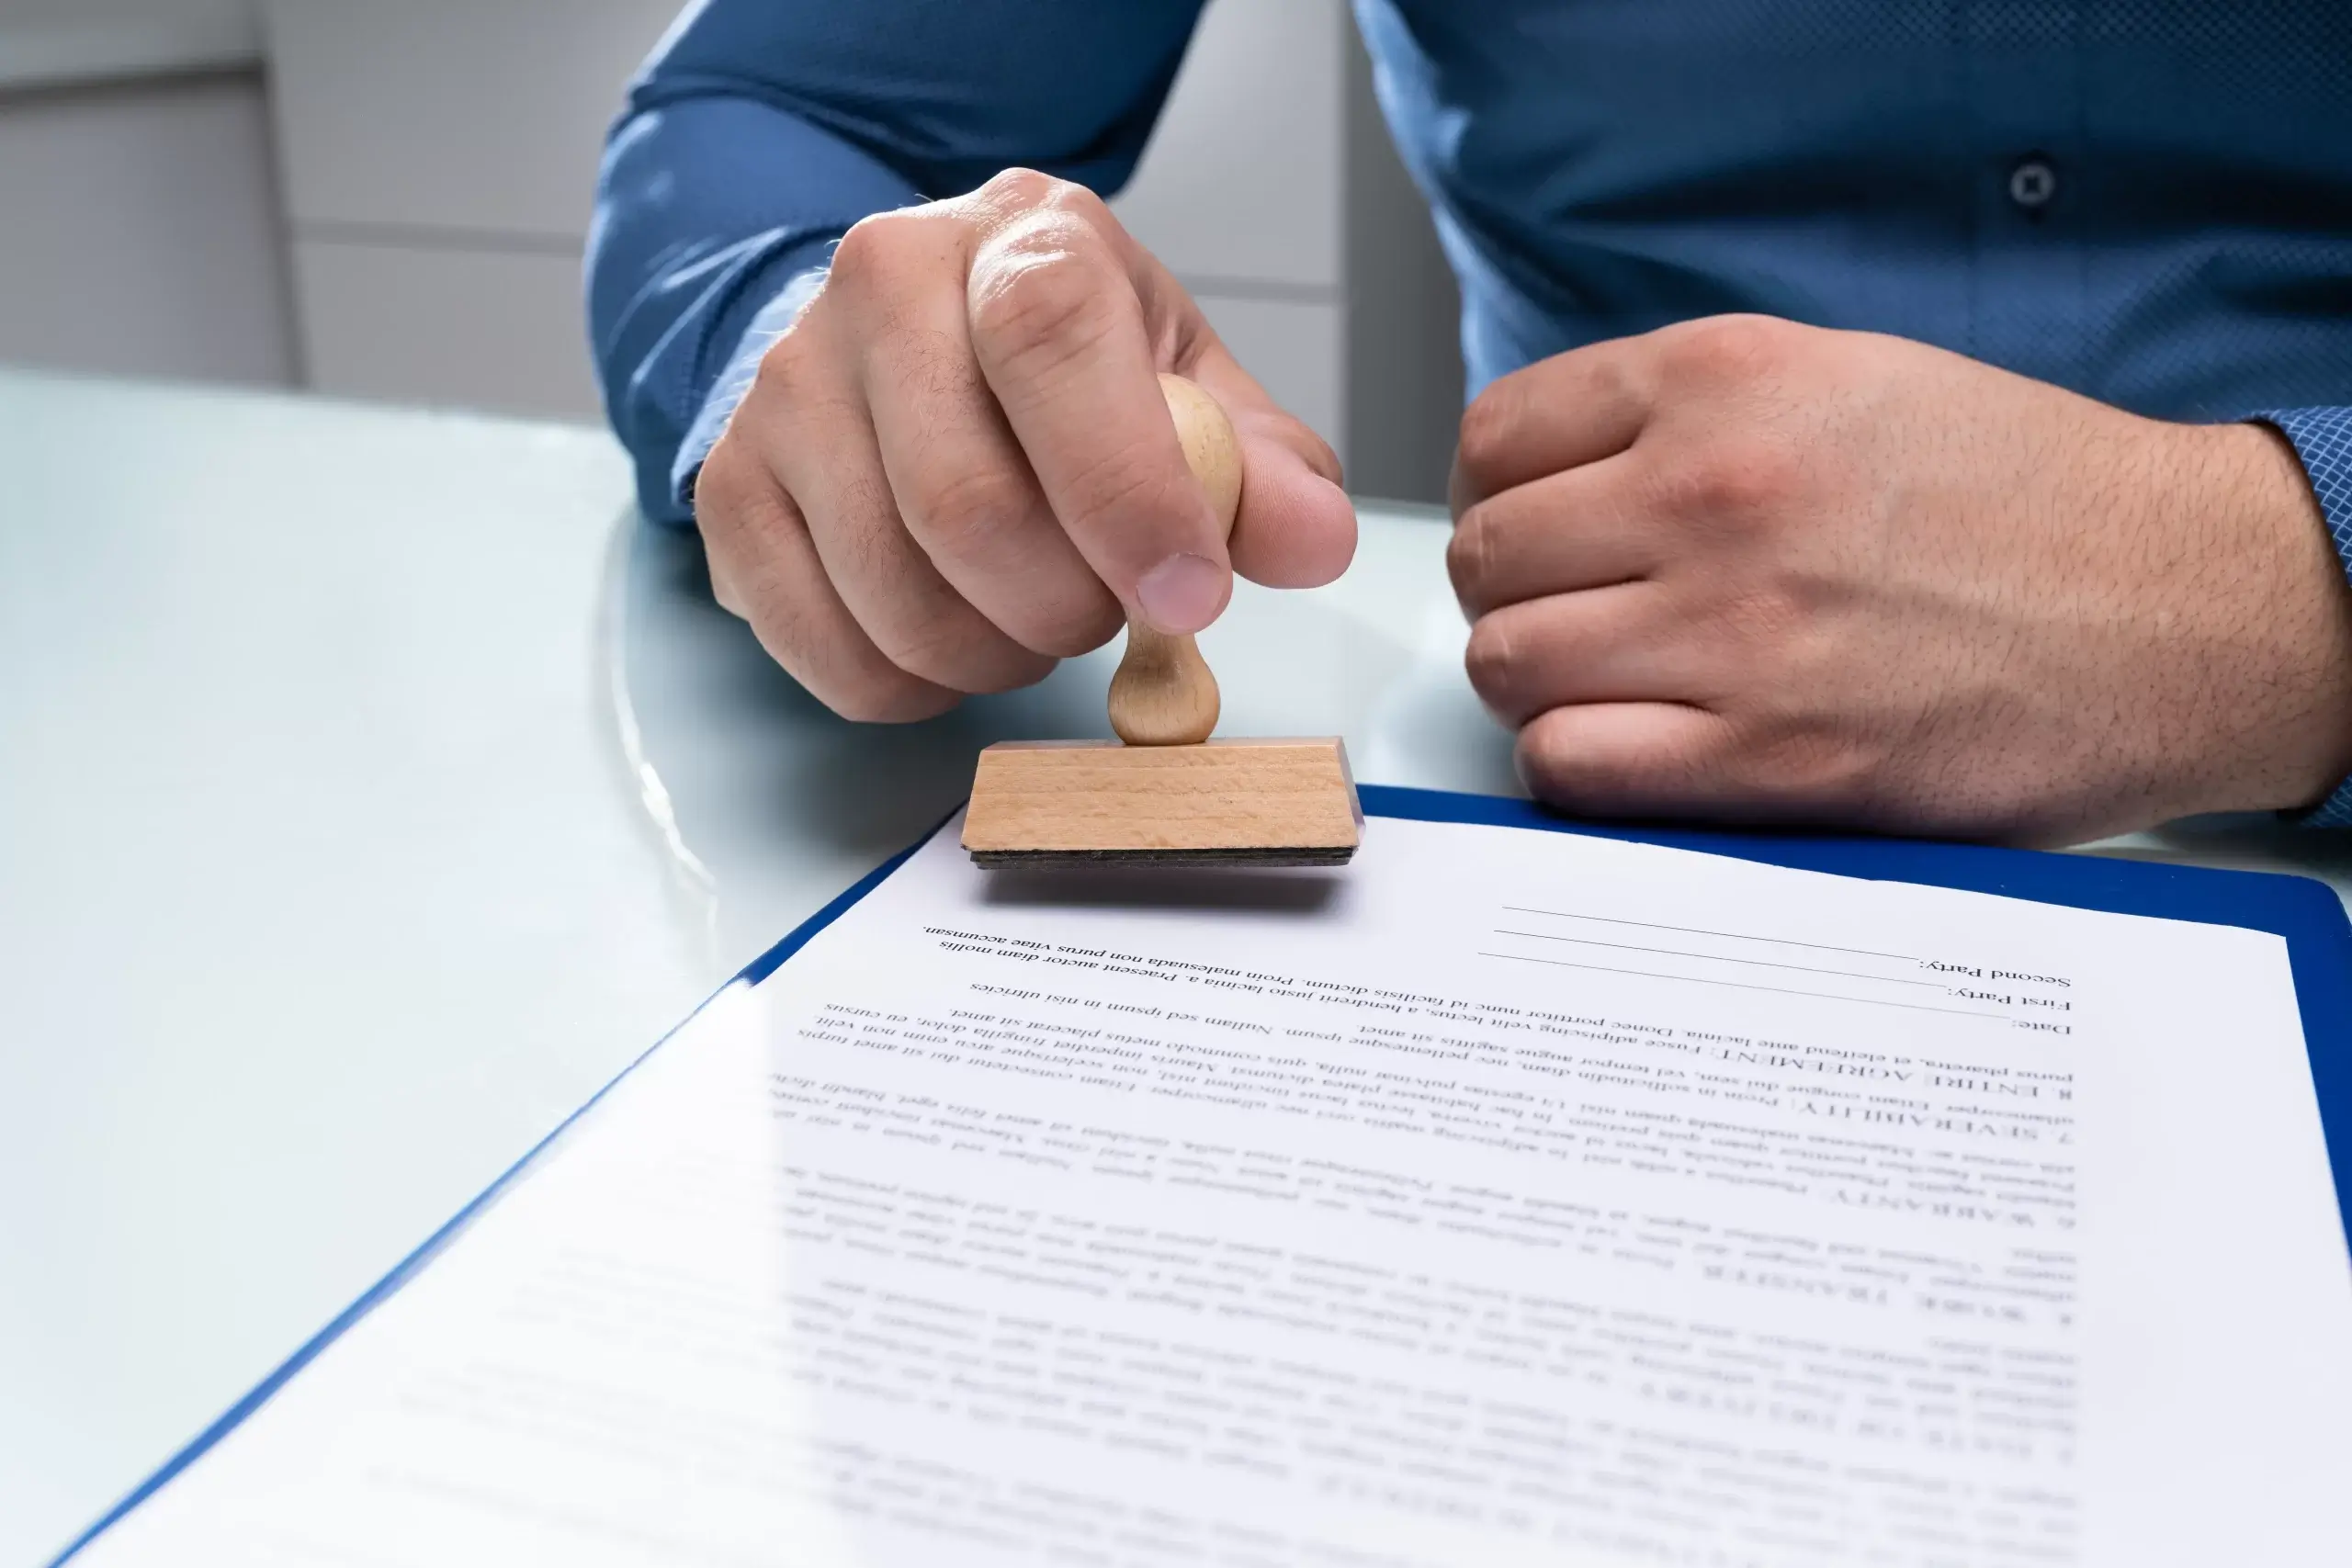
column 388, row 198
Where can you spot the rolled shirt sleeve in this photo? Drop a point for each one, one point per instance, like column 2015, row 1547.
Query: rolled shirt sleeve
column 2322, row 439
column 761, row 131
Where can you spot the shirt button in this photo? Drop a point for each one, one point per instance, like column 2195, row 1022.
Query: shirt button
column 2032, row 183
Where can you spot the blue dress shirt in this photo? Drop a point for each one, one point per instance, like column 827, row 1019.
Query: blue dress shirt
column 2149, row 201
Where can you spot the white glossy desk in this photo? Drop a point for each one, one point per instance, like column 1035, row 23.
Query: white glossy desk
column 374, row 788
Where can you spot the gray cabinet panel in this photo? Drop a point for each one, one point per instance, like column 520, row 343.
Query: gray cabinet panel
column 480, row 115
column 476, row 329
column 142, row 235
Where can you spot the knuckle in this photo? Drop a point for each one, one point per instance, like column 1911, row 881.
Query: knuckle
column 722, row 589
column 872, row 247
column 855, row 679
column 887, row 257
column 718, row 487
column 1724, row 348
column 786, row 372
column 937, row 647
column 1494, row 662
column 1734, row 477
column 1082, row 203
column 963, row 654
column 1556, row 772
column 1470, row 555
column 965, row 513
column 1018, row 189
column 1014, row 192
column 957, row 650
column 1607, row 780
column 784, row 615
column 1038, row 297
column 844, row 674
column 1488, row 427
column 739, row 506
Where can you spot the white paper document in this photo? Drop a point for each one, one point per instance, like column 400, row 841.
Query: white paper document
column 1507, row 1197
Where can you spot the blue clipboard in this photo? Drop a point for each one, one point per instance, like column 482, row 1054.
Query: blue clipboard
column 2305, row 912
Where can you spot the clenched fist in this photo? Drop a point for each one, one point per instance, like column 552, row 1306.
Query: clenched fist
column 955, row 467
column 1744, row 569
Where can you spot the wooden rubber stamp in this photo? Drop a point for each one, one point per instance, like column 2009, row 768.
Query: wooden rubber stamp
column 1164, row 792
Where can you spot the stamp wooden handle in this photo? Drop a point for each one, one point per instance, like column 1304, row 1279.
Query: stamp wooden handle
column 1163, row 694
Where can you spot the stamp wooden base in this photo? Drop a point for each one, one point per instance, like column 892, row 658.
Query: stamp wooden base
column 1219, row 803
column 1171, row 795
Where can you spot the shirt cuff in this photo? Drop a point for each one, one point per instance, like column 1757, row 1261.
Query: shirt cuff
column 2322, row 439
column 772, row 321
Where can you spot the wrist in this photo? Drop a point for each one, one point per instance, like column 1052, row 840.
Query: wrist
column 736, row 373
column 2279, row 609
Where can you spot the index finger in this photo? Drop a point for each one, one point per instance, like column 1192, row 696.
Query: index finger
column 1059, row 329
column 1555, row 415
